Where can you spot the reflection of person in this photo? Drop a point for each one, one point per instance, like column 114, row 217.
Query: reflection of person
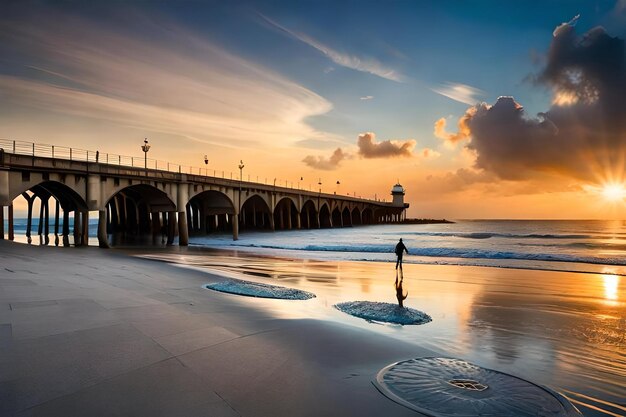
column 400, row 249
column 399, row 293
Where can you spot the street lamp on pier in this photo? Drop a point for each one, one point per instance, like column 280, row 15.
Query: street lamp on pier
column 241, row 167
column 206, row 163
column 145, row 148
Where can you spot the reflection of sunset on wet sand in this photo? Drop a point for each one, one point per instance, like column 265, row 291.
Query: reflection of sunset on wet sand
column 565, row 330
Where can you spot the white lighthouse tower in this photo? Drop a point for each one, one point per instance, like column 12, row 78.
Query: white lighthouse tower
column 398, row 195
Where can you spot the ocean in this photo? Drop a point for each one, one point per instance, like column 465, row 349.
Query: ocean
column 578, row 246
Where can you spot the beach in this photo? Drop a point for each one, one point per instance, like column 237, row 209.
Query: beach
column 132, row 332
column 92, row 332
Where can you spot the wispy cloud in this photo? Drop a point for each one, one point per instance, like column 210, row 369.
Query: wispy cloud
column 459, row 92
column 181, row 86
column 365, row 98
column 369, row 65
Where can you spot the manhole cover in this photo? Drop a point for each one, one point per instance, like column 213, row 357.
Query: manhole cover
column 257, row 289
column 445, row 387
column 468, row 384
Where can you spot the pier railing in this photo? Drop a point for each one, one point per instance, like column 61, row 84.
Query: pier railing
column 77, row 154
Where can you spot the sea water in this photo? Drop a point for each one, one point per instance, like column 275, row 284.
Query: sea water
column 580, row 246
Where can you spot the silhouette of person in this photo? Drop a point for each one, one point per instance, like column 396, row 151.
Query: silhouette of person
column 97, row 155
column 400, row 249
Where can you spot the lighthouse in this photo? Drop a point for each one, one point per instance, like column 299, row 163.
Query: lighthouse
column 397, row 193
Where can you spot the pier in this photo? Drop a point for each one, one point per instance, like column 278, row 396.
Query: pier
column 140, row 199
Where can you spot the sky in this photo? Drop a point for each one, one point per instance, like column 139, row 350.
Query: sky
column 485, row 109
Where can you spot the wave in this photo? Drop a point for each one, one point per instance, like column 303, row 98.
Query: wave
column 465, row 253
column 488, row 235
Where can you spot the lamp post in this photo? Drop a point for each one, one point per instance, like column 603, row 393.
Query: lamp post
column 145, row 148
column 319, row 208
column 241, row 167
column 338, row 183
column 206, row 163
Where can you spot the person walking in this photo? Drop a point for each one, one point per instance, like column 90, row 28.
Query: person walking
column 400, row 249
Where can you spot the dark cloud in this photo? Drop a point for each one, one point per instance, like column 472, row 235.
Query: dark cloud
column 328, row 164
column 582, row 135
column 368, row 148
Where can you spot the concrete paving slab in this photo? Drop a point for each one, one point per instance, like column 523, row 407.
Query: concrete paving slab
column 166, row 388
column 180, row 343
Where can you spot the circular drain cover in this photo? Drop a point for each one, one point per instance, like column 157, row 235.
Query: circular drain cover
column 257, row 289
column 445, row 387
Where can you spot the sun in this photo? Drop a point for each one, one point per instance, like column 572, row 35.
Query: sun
column 614, row 192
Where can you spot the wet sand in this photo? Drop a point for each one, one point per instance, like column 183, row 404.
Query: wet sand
column 85, row 331
column 560, row 329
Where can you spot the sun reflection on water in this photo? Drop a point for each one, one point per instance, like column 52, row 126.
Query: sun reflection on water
column 611, row 284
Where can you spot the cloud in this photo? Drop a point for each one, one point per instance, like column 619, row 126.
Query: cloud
column 180, row 86
column 327, row 164
column 365, row 98
column 368, row 148
column 459, row 92
column 581, row 136
column 564, row 26
column 369, row 65
column 428, row 153
column 459, row 180
column 463, row 130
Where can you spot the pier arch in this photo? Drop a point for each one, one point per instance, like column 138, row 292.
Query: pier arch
column 139, row 214
column 325, row 218
column 367, row 216
column 210, row 211
column 286, row 216
column 346, row 218
column 356, row 217
column 256, row 214
column 308, row 215
column 65, row 200
column 336, row 217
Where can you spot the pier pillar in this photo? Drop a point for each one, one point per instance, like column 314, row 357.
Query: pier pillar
column 281, row 217
column 102, row 229
column 171, row 226
column 85, row 229
column 1, row 222
column 235, row 224
column 183, row 230
column 57, row 207
column 40, row 225
column 66, row 227
column 46, row 226
column 289, row 222
column 298, row 221
column 77, row 233
column 188, row 217
column 182, row 198
column 11, row 229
